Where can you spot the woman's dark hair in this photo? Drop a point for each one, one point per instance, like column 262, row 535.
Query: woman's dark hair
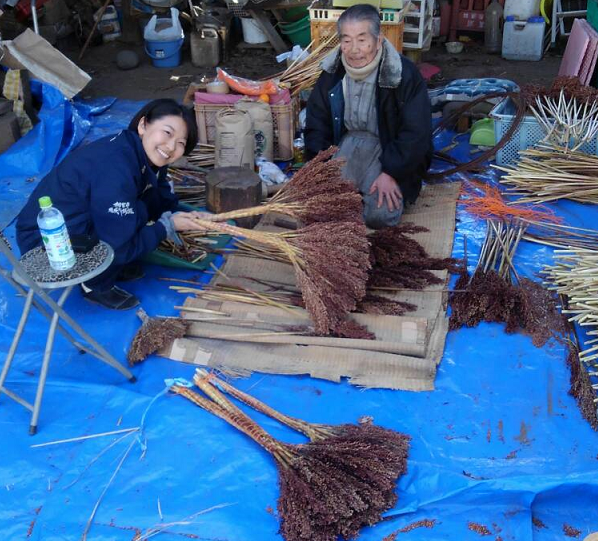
column 156, row 109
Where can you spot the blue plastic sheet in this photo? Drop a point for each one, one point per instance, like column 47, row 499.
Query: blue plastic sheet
column 499, row 441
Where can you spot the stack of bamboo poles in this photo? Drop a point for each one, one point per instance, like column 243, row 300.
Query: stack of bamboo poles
column 303, row 73
column 549, row 173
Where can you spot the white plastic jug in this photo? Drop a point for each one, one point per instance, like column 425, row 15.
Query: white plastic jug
column 108, row 25
column 164, row 32
column 522, row 10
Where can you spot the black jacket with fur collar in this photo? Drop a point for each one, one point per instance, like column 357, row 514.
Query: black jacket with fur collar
column 404, row 117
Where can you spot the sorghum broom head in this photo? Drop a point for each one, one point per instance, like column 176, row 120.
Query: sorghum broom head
column 333, row 272
column 371, row 458
column 326, row 490
column 331, row 263
column 153, row 334
column 400, row 261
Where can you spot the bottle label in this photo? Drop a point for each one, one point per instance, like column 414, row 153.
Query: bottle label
column 58, row 247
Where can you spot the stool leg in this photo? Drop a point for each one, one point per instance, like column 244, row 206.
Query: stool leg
column 46, row 363
column 17, row 338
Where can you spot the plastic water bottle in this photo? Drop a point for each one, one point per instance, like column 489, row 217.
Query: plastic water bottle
column 493, row 17
column 55, row 236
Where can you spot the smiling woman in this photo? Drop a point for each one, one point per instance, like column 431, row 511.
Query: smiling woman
column 115, row 189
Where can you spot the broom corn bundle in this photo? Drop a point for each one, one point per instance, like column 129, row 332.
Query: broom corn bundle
column 330, row 487
column 330, row 261
column 495, row 293
column 316, row 193
column 153, row 334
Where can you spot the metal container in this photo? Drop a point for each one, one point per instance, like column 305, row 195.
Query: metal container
column 205, row 48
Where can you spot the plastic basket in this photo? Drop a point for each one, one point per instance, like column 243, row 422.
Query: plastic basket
column 323, row 25
column 528, row 134
column 282, row 116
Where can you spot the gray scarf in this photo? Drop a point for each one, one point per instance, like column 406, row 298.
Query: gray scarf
column 359, row 74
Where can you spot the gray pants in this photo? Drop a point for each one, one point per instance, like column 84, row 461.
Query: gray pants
column 362, row 152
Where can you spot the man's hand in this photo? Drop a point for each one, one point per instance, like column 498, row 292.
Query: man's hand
column 185, row 222
column 387, row 189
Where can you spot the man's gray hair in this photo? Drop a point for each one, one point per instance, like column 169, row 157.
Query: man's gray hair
column 359, row 13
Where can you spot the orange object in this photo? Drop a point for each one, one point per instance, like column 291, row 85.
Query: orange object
column 247, row 86
column 487, row 202
column 265, row 98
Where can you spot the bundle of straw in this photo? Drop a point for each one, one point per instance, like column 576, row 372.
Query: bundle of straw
column 574, row 277
column 567, row 111
column 203, row 156
column 330, row 261
column 341, row 481
column 304, row 72
column 316, row 193
column 548, row 173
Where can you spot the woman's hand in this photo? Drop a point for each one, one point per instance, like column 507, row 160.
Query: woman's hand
column 387, row 189
column 184, row 221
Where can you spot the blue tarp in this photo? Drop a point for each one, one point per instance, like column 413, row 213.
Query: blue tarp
column 499, row 441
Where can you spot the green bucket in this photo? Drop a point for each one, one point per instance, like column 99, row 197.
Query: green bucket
column 298, row 32
column 293, row 15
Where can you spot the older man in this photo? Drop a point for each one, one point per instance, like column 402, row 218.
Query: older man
column 373, row 103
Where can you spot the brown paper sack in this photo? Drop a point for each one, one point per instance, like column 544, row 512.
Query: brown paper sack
column 234, row 139
column 263, row 127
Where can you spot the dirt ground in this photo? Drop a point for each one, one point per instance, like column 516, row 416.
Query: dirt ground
column 147, row 82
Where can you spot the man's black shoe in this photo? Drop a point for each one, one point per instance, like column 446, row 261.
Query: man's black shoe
column 130, row 272
column 115, row 298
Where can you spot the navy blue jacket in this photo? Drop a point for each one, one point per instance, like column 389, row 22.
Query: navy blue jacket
column 404, row 117
column 107, row 188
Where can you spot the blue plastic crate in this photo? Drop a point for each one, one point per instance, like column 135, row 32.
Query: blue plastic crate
column 528, row 134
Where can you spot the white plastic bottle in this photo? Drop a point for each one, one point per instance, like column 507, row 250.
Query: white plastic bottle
column 55, row 236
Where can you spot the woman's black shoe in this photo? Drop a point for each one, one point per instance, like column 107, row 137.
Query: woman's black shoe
column 116, row 298
column 130, row 272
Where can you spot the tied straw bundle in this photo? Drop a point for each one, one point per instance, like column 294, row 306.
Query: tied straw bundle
column 574, row 277
column 548, row 173
column 316, row 193
column 342, row 480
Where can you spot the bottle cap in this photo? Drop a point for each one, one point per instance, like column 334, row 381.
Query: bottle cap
column 45, row 201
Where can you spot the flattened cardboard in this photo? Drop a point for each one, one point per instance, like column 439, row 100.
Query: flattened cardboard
column 32, row 52
column 435, row 209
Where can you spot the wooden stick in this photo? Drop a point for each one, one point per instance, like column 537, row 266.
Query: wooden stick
column 93, row 29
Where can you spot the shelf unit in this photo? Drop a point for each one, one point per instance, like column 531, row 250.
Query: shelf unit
column 417, row 33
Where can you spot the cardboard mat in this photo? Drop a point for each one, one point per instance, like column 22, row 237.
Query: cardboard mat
column 268, row 339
